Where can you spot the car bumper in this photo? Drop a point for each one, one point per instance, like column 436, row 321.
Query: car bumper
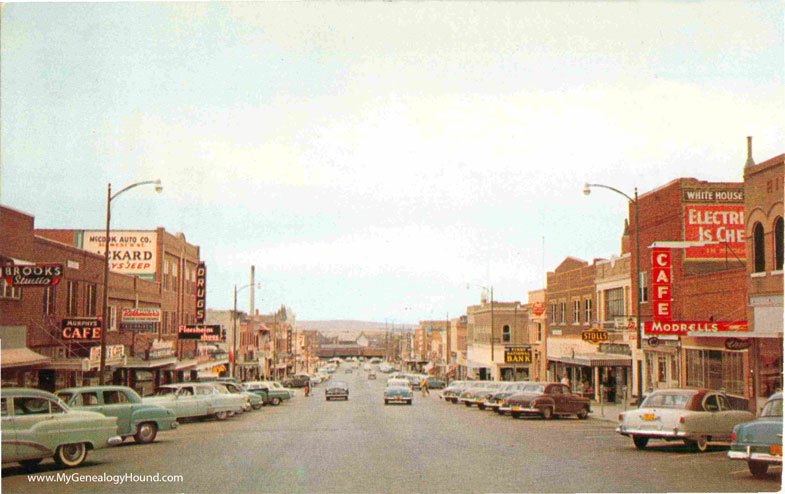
column 749, row 455
column 664, row 434
column 397, row 399
column 490, row 404
column 114, row 441
column 525, row 410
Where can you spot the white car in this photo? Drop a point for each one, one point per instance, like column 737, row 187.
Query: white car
column 698, row 417
column 196, row 400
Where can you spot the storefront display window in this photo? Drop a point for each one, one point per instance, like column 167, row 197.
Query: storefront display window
column 770, row 366
column 715, row 369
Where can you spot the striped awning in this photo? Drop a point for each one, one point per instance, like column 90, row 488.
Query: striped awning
column 595, row 360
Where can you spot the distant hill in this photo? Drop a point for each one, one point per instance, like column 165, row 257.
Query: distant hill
column 349, row 326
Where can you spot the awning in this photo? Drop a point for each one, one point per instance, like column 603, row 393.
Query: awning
column 133, row 363
column 182, row 365
column 21, row 357
column 211, row 364
column 471, row 364
column 595, row 360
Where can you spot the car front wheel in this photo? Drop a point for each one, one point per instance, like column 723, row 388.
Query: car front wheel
column 758, row 468
column 276, row 401
column 547, row 413
column 221, row 415
column 71, row 455
column 640, row 441
column 583, row 414
column 146, row 433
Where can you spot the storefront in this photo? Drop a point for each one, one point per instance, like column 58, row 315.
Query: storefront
column 19, row 366
column 709, row 363
column 517, row 363
column 596, row 376
column 661, row 363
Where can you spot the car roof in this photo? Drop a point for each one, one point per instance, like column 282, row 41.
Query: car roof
column 82, row 389
column 16, row 392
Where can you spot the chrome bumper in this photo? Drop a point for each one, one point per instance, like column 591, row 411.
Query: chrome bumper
column 114, row 441
column 675, row 434
column 747, row 455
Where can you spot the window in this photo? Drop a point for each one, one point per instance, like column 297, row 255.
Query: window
column 167, row 279
column 506, row 333
column 49, row 300
column 778, row 244
column 9, row 291
column 28, row 405
column 4, row 402
column 587, row 310
column 90, row 297
column 563, row 307
column 539, row 331
column 643, row 286
column 70, row 298
column 553, row 313
column 576, row 311
column 614, row 303
column 165, row 322
column 715, row 369
column 115, row 397
column 758, row 253
column 112, row 316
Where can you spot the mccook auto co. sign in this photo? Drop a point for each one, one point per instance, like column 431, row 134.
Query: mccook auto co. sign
column 130, row 252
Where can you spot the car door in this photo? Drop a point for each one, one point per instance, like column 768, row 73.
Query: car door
column 206, row 400
column 713, row 421
column 37, row 431
column 572, row 402
column 727, row 418
column 7, row 431
column 554, row 392
column 187, row 402
column 116, row 404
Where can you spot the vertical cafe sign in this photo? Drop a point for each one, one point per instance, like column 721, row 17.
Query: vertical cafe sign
column 201, row 289
column 131, row 252
column 661, row 283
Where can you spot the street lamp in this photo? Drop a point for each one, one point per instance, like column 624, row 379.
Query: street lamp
column 109, row 198
column 234, row 324
column 492, row 345
column 639, row 345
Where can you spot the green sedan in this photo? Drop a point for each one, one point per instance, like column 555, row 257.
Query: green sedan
column 37, row 425
column 134, row 417
column 270, row 391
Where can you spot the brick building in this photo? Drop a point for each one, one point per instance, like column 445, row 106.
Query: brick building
column 496, row 330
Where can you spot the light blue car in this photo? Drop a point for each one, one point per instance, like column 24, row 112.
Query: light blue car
column 759, row 442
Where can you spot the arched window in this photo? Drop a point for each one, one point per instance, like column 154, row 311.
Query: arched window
column 758, row 251
column 506, row 333
column 778, row 244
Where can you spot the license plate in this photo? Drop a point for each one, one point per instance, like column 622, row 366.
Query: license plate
column 776, row 449
column 648, row 416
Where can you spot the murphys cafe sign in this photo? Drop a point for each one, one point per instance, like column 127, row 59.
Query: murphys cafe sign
column 130, row 251
column 721, row 222
column 32, row 274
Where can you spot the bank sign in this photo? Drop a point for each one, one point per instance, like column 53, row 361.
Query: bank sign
column 130, row 251
column 517, row 355
column 719, row 223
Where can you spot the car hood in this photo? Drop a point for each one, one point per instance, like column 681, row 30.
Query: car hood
column 524, row 397
column 762, row 430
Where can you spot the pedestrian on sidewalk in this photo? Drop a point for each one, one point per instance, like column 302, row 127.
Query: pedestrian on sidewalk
column 424, row 387
column 308, row 387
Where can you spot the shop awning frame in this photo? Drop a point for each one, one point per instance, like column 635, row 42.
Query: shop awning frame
column 595, row 360
column 13, row 358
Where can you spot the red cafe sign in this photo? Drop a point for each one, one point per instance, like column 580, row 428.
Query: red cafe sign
column 81, row 329
column 686, row 327
column 661, row 283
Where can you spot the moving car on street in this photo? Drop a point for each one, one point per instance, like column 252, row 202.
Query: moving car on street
column 759, row 442
column 37, row 425
column 136, row 419
column 698, row 417
column 196, row 400
column 398, row 394
column 336, row 390
column 296, row 381
column 546, row 400
column 436, row 383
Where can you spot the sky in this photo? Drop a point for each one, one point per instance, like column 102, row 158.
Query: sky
column 379, row 161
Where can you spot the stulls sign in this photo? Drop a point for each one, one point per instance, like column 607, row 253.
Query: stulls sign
column 201, row 291
column 32, row 274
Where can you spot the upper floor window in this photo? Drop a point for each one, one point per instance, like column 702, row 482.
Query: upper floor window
column 778, row 244
column 643, row 286
column 758, row 249
column 576, row 311
column 553, row 313
column 9, row 291
column 614, row 303
column 587, row 310
column 90, row 298
column 506, row 333
column 70, row 298
column 563, row 315
column 49, row 300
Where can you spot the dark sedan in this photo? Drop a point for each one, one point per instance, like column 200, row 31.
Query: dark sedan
column 495, row 400
column 435, row 383
column 546, row 400
column 336, row 390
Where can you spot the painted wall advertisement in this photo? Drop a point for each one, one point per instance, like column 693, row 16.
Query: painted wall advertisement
column 721, row 223
column 130, row 251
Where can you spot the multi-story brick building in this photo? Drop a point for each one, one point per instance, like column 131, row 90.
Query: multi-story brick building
column 498, row 341
column 763, row 200
column 537, row 320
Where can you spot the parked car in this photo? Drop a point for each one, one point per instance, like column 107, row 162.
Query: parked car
column 759, row 442
column 296, row 381
column 37, row 425
column 397, row 394
column 436, row 383
column 134, row 417
column 478, row 392
column 495, row 400
column 546, row 400
column 451, row 392
column 699, row 418
column 196, row 400
column 348, row 370
column 272, row 393
column 251, row 400
column 336, row 390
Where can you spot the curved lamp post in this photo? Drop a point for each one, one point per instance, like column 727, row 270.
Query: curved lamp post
column 109, row 198
column 634, row 201
column 491, row 338
column 234, row 324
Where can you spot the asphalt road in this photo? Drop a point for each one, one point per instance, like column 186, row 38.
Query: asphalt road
column 362, row 446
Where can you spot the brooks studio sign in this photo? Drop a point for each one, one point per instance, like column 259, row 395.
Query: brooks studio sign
column 32, row 274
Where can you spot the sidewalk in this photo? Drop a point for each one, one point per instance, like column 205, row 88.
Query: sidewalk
column 608, row 411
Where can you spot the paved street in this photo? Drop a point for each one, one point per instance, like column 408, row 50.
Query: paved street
column 310, row 445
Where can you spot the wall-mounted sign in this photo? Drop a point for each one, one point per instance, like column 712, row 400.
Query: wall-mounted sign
column 112, row 352
column 661, row 283
column 595, row 336
column 201, row 287
column 81, row 329
column 517, row 355
column 200, row 332
column 653, row 341
column 703, row 195
column 538, row 309
column 737, row 343
column 32, row 274
column 615, row 348
column 686, row 327
column 160, row 349
column 723, row 224
column 130, row 251
column 139, row 318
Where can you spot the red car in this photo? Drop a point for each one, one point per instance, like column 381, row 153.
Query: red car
column 545, row 400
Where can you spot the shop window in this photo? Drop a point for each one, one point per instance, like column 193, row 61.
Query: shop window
column 506, row 333
column 70, row 299
column 643, row 286
column 715, row 369
column 587, row 309
column 778, row 244
column 576, row 311
column 614, row 303
column 758, row 250
column 9, row 291
column 49, row 300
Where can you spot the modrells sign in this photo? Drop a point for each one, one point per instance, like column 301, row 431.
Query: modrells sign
column 81, row 329
column 32, row 274
column 688, row 327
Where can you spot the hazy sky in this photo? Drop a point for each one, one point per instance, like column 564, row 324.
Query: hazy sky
column 371, row 159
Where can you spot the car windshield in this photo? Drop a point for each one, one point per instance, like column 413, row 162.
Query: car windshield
column 667, row 400
column 65, row 397
column 533, row 388
column 773, row 408
column 338, row 384
column 165, row 391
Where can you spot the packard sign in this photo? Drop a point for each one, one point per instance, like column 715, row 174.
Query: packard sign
column 32, row 274
column 81, row 329
column 131, row 252
column 517, row 355
column 201, row 286
column 200, row 332
column 595, row 336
